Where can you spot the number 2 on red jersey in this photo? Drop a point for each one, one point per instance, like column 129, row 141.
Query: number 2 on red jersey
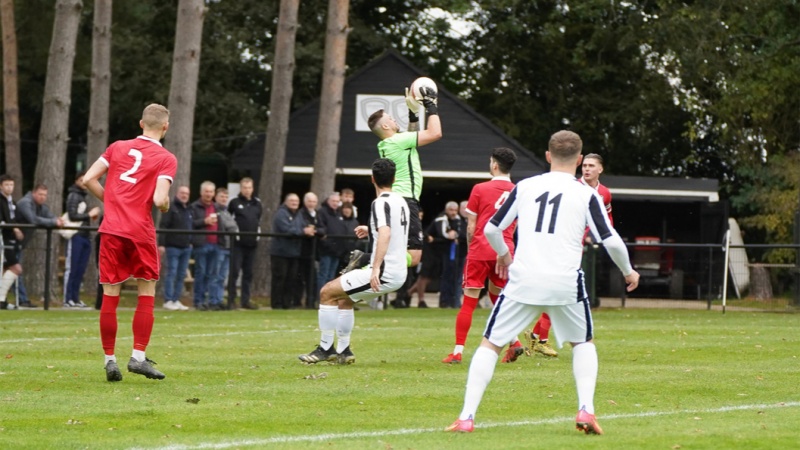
column 137, row 156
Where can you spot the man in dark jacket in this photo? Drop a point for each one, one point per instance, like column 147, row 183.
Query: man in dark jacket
column 177, row 247
column 329, row 223
column 308, row 278
column 246, row 210
column 79, row 246
column 206, row 250
column 445, row 242
column 285, row 253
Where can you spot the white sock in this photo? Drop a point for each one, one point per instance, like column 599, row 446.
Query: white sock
column 138, row 355
column 481, row 370
column 327, row 323
column 459, row 349
column 584, row 367
column 109, row 358
column 5, row 284
column 344, row 327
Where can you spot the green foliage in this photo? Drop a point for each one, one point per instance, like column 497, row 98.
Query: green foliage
column 666, row 379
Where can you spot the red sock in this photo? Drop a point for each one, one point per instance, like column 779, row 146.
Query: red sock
column 143, row 322
column 108, row 323
column 542, row 327
column 464, row 319
column 493, row 298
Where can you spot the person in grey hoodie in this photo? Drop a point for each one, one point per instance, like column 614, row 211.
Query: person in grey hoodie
column 79, row 246
column 226, row 224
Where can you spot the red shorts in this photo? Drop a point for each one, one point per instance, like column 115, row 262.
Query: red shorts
column 122, row 258
column 476, row 273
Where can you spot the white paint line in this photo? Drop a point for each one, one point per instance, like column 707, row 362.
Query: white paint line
column 405, row 431
column 165, row 336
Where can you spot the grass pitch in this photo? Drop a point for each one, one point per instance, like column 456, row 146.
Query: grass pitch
column 668, row 379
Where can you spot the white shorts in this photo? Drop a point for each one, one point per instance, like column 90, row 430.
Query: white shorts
column 356, row 284
column 571, row 323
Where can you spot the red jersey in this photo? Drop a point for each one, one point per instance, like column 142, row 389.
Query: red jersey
column 606, row 194
column 486, row 198
column 134, row 167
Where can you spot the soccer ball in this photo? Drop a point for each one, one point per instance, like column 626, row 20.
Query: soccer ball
column 419, row 83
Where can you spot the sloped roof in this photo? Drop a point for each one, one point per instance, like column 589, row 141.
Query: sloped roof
column 463, row 152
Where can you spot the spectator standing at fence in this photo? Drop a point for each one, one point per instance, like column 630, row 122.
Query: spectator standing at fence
column 11, row 243
column 285, row 253
column 349, row 196
column 205, row 246
column 79, row 246
column 348, row 223
column 329, row 223
column 32, row 209
column 246, row 210
column 177, row 247
column 445, row 243
column 139, row 174
column 226, row 224
column 308, row 281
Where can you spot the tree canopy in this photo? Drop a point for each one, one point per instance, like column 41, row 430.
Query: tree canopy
column 659, row 87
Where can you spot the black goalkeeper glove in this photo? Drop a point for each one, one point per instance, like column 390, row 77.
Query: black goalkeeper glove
column 429, row 100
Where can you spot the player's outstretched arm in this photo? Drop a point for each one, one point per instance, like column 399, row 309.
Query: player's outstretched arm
column 433, row 129
column 161, row 195
column 92, row 178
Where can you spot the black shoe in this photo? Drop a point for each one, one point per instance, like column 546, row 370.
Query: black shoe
column 112, row 371
column 319, row 354
column 202, row 307
column 27, row 305
column 250, row 306
column 422, row 304
column 145, row 368
column 354, row 263
column 346, row 357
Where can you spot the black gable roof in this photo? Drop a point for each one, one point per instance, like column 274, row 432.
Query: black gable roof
column 462, row 152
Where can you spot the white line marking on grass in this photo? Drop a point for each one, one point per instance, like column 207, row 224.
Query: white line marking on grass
column 403, row 431
column 160, row 336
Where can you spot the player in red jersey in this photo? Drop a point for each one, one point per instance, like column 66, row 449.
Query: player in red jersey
column 139, row 173
column 485, row 199
column 591, row 168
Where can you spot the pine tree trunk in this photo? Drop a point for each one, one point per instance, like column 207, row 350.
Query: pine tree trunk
column 54, row 134
column 330, row 106
column 271, row 180
column 760, row 283
column 183, row 87
column 10, row 96
column 97, row 138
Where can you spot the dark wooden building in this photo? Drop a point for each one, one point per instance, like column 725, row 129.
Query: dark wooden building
column 671, row 209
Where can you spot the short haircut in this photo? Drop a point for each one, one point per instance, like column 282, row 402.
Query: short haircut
column 505, row 158
column 594, row 156
column 80, row 175
column 246, row 180
column 309, row 195
column 348, row 191
column 207, row 184
column 383, row 171
column 39, row 187
column 564, row 145
column 5, row 177
column 222, row 190
column 347, row 205
column 154, row 116
column 373, row 120
column 451, row 205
